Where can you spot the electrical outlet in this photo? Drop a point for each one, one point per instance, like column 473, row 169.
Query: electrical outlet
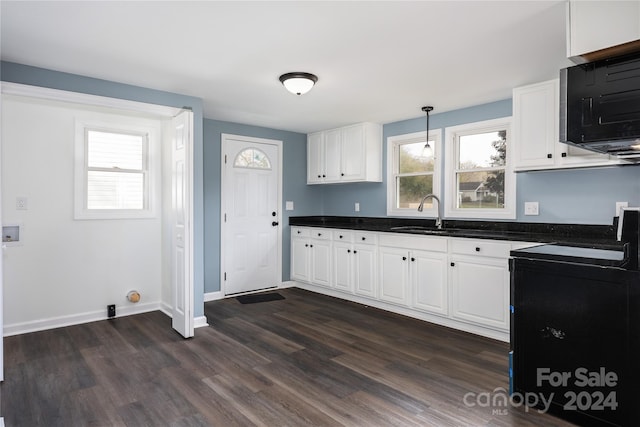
column 619, row 206
column 531, row 208
column 357, row 207
column 21, row 203
column 111, row 310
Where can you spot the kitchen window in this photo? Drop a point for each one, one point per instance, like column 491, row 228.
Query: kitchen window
column 480, row 182
column 113, row 172
column 413, row 171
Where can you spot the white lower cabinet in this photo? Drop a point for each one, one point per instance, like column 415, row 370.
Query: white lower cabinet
column 479, row 281
column 365, row 277
column 354, row 262
column 394, row 275
column 300, row 256
column 413, row 272
column 343, row 265
column 320, row 251
column 414, row 277
column 311, row 256
column 458, row 282
column 428, row 274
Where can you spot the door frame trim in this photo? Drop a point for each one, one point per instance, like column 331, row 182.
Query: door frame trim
column 223, row 259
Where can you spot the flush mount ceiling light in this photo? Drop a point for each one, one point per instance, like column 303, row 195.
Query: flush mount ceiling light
column 298, row 83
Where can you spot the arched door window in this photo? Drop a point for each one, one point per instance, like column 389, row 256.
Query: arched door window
column 252, row 158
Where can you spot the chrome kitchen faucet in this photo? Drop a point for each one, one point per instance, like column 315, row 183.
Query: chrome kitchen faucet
column 421, row 207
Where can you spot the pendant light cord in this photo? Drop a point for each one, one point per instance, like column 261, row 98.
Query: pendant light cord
column 427, row 109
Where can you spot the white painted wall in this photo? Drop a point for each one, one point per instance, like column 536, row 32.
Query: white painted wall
column 66, row 271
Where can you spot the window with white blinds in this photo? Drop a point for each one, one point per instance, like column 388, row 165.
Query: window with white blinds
column 114, row 170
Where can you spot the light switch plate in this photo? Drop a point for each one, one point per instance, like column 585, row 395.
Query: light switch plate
column 21, row 203
column 288, row 205
column 531, row 208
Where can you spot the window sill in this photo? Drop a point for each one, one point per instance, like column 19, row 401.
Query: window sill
column 113, row 214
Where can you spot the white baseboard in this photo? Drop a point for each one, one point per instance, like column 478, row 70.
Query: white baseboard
column 218, row 295
column 288, row 284
column 213, row 296
column 166, row 309
column 200, row 322
column 76, row 319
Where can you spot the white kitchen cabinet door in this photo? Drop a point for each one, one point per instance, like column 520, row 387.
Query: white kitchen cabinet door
column 315, row 158
column 320, row 262
column 428, row 273
column 353, row 153
column 394, row 272
column 300, row 258
column 535, row 125
column 365, row 269
column 347, row 154
column 333, row 149
column 480, row 290
column 597, row 25
column 343, row 260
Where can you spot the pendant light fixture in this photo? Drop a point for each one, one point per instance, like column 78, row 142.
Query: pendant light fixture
column 298, row 83
column 427, row 151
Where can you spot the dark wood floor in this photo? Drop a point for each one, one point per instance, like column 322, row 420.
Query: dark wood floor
column 305, row 360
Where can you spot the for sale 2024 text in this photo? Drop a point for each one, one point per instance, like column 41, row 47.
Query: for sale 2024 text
column 588, row 399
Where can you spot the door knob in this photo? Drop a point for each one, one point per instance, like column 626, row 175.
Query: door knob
column 274, row 223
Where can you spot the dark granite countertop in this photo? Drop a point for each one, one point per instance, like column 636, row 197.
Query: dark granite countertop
column 579, row 235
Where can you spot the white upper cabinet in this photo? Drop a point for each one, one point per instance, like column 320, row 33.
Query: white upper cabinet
column 347, row 154
column 536, row 132
column 535, row 124
column 597, row 25
column 315, row 157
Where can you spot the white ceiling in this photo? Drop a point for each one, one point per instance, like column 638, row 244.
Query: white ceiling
column 376, row 61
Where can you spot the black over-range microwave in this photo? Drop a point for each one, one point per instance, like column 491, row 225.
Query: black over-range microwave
column 600, row 106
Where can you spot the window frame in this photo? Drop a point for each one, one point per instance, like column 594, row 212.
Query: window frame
column 452, row 135
column 150, row 161
column 393, row 144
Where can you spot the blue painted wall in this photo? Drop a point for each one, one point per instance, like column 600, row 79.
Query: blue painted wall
column 576, row 196
column 18, row 73
column 584, row 196
column 308, row 200
column 340, row 198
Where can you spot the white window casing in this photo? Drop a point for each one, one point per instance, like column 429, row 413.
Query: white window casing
column 393, row 152
column 452, row 168
column 128, row 171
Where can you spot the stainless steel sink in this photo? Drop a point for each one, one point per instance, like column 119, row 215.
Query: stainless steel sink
column 417, row 229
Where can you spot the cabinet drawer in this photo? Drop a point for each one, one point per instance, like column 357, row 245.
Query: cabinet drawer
column 365, row 238
column 480, row 247
column 320, row 233
column 343, row 236
column 299, row 232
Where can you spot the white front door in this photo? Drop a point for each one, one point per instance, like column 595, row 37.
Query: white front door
column 251, row 237
column 181, row 202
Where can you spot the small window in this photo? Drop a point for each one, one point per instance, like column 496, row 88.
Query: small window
column 252, row 158
column 480, row 182
column 112, row 172
column 116, row 170
column 413, row 172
